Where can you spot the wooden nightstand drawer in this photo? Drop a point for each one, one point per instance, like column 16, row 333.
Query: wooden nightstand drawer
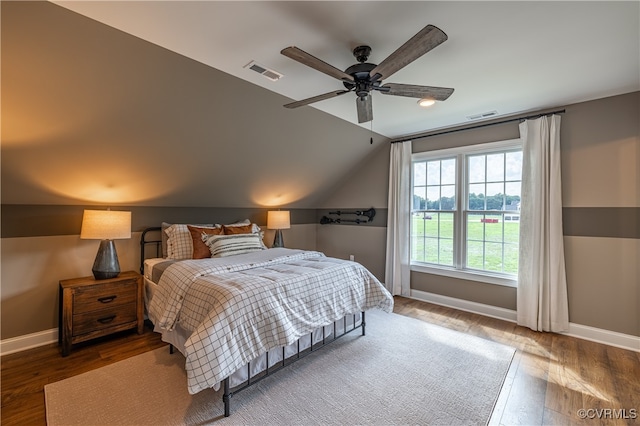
column 104, row 318
column 91, row 308
column 97, row 297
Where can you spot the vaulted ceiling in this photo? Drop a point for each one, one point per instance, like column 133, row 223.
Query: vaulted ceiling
column 502, row 56
column 149, row 102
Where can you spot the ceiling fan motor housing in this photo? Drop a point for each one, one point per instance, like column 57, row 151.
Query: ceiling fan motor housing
column 362, row 80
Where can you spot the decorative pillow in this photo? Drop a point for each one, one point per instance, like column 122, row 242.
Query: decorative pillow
column 200, row 249
column 230, row 245
column 238, row 229
column 244, row 227
column 179, row 243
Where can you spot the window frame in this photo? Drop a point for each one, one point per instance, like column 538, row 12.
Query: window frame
column 460, row 213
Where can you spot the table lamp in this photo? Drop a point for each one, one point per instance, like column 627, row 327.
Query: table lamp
column 278, row 220
column 106, row 225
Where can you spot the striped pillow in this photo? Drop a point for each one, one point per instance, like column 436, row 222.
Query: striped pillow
column 230, row 245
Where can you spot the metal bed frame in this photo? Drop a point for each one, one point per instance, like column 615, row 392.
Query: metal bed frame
column 229, row 391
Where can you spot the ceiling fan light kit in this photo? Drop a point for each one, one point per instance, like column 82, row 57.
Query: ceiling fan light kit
column 363, row 78
column 426, row 102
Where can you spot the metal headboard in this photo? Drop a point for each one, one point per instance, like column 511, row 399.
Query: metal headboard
column 153, row 239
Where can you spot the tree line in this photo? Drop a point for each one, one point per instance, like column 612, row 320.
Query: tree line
column 476, row 202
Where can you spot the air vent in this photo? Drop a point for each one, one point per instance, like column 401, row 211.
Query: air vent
column 266, row 72
column 481, row 116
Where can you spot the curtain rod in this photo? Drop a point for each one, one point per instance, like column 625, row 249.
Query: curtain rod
column 444, row 132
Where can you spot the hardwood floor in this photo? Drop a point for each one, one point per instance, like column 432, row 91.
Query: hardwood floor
column 24, row 374
column 551, row 377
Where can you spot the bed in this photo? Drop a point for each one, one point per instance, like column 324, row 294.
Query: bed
column 242, row 315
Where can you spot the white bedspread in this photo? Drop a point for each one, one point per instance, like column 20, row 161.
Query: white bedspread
column 239, row 307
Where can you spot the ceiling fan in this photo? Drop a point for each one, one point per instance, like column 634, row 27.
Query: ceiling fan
column 364, row 77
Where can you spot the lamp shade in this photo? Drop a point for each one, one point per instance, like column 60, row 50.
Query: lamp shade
column 278, row 219
column 105, row 225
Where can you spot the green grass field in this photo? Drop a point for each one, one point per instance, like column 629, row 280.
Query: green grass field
column 490, row 246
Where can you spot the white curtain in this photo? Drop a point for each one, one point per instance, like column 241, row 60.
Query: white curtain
column 542, row 286
column 399, row 215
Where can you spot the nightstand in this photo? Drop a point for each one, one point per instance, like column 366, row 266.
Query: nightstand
column 91, row 308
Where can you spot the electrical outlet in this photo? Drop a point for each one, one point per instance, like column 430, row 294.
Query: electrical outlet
column 352, row 258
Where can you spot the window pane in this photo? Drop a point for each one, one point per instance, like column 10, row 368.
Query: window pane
column 448, row 197
column 512, row 228
column 511, row 258
column 495, row 197
column 495, row 168
column 446, row 225
column 420, row 174
column 433, row 198
column 431, row 250
column 433, row 173
column 476, row 196
column 476, row 169
column 446, row 252
column 431, row 226
column 475, row 227
column 493, row 257
column 417, row 224
column 512, row 189
column 493, row 228
column 419, row 198
column 417, row 249
column 475, row 254
column 514, row 165
column 449, row 171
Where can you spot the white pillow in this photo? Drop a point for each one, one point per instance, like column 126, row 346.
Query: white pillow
column 230, row 245
column 179, row 243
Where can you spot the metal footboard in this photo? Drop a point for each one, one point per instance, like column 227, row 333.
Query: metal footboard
column 229, row 392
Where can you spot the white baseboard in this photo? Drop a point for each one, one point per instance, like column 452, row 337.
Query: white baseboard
column 598, row 335
column 28, row 341
column 465, row 305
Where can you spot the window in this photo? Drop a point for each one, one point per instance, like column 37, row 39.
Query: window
column 465, row 213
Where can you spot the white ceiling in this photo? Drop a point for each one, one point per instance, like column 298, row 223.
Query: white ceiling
column 510, row 57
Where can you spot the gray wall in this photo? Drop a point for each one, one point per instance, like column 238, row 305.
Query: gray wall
column 600, row 142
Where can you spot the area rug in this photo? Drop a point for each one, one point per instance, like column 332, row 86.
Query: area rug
column 404, row 371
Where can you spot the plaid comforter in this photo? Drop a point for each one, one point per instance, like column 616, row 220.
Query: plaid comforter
column 236, row 308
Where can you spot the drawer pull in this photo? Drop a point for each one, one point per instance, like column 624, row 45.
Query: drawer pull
column 106, row 320
column 107, row 299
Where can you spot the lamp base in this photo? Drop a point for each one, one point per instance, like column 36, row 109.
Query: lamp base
column 278, row 241
column 106, row 264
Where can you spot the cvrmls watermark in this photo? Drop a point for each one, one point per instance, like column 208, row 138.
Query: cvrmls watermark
column 607, row 413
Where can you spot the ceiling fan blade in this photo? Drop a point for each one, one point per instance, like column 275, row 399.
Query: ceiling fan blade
column 315, row 63
column 365, row 109
column 414, row 91
column 316, row 99
column 428, row 38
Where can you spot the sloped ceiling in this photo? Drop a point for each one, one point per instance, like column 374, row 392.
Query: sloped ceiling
column 504, row 56
column 91, row 114
column 147, row 102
